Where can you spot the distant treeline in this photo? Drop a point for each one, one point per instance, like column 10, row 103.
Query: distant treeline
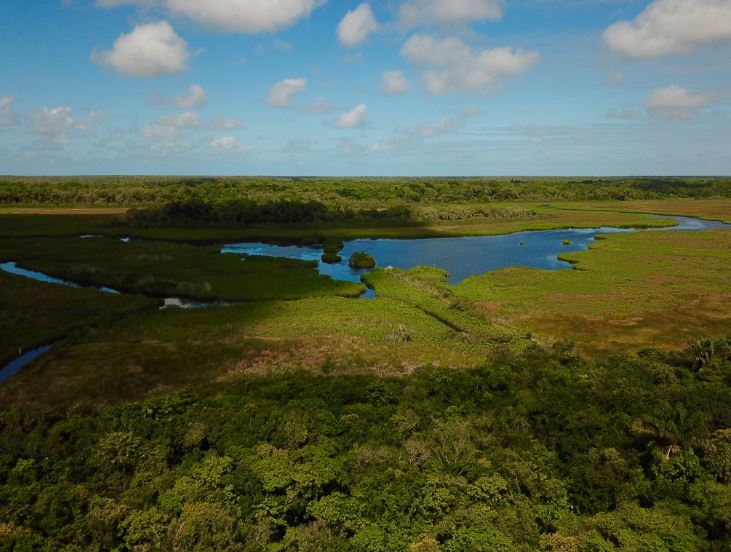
column 145, row 190
column 194, row 213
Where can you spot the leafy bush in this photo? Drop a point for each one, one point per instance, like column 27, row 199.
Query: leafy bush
column 331, row 258
column 360, row 260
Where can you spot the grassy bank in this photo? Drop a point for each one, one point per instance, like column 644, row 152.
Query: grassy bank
column 711, row 209
column 651, row 289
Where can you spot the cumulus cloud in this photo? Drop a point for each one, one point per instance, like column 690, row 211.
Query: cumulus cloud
column 357, row 24
column 394, row 83
column 676, row 102
column 170, row 129
column 452, row 65
column 668, row 27
column 229, row 144
column 447, row 12
column 195, row 98
column 56, row 124
column 246, row 16
column 7, row 115
column 353, row 118
column 282, row 94
column 189, row 120
column 150, row 50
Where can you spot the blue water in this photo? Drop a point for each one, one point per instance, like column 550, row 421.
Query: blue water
column 462, row 256
column 22, row 361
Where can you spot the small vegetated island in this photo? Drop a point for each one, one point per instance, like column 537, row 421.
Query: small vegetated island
column 360, row 260
column 330, row 250
column 581, row 409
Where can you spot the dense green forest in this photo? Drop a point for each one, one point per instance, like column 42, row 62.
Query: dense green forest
column 541, row 450
column 129, row 191
column 242, row 212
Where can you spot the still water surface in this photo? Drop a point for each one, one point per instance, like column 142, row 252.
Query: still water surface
column 463, row 256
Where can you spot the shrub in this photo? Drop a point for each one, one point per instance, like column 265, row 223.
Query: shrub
column 331, row 258
column 361, row 260
column 333, row 245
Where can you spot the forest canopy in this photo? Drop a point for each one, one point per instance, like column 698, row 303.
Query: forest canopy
column 137, row 191
column 535, row 451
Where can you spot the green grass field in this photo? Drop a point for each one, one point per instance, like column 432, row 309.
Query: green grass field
column 629, row 291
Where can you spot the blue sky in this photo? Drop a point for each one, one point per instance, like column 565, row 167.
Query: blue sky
column 389, row 87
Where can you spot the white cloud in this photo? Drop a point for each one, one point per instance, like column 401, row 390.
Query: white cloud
column 447, row 12
column 195, row 98
column 247, row 16
column 668, row 27
column 88, row 122
column 282, row 94
column 353, row 118
column 168, row 129
column 149, row 50
column 226, row 143
column 56, row 124
column 675, row 102
column 229, row 144
column 7, row 115
column 357, row 25
column 52, row 123
column 394, row 83
column 188, row 120
column 452, row 65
